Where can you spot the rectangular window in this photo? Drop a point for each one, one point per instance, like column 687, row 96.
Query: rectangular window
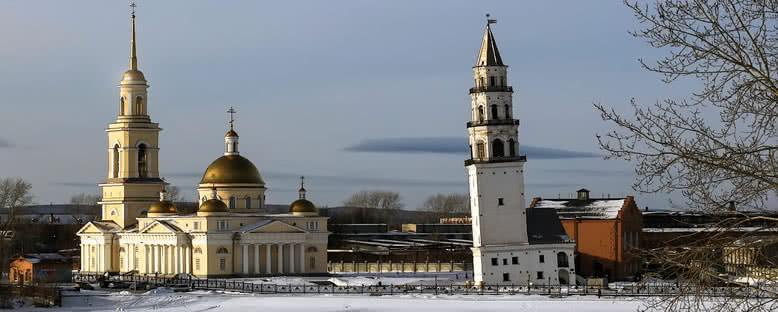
column 197, row 264
column 506, row 277
column 500, row 201
column 494, row 261
column 542, row 259
column 491, row 81
column 196, row 225
column 222, row 225
column 515, row 260
column 222, row 264
column 504, row 261
column 540, row 275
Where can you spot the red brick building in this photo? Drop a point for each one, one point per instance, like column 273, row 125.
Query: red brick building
column 40, row 268
column 605, row 229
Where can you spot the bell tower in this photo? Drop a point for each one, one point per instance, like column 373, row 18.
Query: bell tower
column 495, row 169
column 133, row 182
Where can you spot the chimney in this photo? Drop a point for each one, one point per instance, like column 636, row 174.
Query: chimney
column 583, row 194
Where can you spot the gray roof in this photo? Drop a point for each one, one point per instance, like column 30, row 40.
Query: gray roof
column 601, row 208
column 254, row 226
column 489, row 54
column 543, row 227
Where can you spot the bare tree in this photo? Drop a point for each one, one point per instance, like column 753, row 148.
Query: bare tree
column 387, row 202
column 447, row 205
column 715, row 147
column 14, row 193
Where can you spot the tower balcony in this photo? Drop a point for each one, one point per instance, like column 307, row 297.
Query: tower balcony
column 491, row 89
column 521, row 158
column 493, row 122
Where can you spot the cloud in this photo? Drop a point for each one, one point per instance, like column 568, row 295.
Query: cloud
column 593, row 172
column 453, row 145
column 5, row 143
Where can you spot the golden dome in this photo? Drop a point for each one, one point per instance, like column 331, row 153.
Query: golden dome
column 302, row 206
column 213, row 205
column 133, row 75
column 231, row 133
column 231, row 169
column 164, row 206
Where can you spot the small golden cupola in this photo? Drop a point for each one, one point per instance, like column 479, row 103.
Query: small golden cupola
column 213, row 207
column 163, row 207
column 302, row 206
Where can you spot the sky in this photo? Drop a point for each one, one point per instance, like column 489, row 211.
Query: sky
column 355, row 95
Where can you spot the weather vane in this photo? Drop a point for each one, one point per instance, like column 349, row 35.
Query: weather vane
column 133, row 5
column 490, row 21
column 231, row 111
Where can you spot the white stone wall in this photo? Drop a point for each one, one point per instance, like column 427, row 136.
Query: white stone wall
column 495, row 224
column 526, row 270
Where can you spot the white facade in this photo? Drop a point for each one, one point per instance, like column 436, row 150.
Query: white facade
column 502, row 251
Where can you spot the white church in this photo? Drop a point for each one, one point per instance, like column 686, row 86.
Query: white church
column 511, row 244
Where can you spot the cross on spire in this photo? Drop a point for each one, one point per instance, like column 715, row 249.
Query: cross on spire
column 302, row 187
column 232, row 112
column 133, row 5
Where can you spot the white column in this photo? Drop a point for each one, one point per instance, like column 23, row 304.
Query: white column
column 100, row 257
column 302, row 258
column 82, row 258
column 245, row 258
column 157, row 258
column 280, row 258
column 163, row 255
column 268, row 260
column 130, row 257
column 188, row 262
column 291, row 258
column 146, row 259
column 256, row 258
column 180, row 255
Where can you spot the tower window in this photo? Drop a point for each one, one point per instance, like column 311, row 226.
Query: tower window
column 480, row 113
column 502, row 81
column 512, row 147
column 494, row 261
column 515, row 260
column 498, row 150
column 139, row 106
column 121, row 107
column 506, row 277
column 116, row 161
column 540, row 275
column 495, row 115
column 500, row 202
column 142, row 157
column 481, row 150
column 507, row 111
column 541, row 259
column 491, row 81
column 504, row 261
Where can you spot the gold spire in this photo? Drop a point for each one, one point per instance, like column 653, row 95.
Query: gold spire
column 133, row 57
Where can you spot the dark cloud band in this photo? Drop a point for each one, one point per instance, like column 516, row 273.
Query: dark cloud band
column 452, row 145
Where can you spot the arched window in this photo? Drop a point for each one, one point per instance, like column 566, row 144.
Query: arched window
column 121, row 107
column 232, row 202
column 512, row 148
column 116, row 161
column 494, row 112
column 311, row 249
column 481, row 150
column 248, row 202
column 139, row 106
column 502, row 81
column 561, row 260
column 491, row 81
column 222, row 250
column 498, row 150
column 507, row 111
column 142, row 161
column 481, row 113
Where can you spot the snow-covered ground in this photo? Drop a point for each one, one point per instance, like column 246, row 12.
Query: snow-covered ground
column 365, row 279
column 163, row 300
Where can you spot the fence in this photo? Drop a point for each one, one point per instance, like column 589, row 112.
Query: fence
column 42, row 295
column 380, row 289
column 400, row 267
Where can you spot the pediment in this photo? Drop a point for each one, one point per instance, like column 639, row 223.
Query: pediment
column 275, row 227
column 159, row 228
column 90, row 228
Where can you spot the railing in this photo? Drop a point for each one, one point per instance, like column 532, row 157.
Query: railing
column 449, row 289
column 397, row 267
column 491, row 89
column 469, row 162
column 496, row 122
